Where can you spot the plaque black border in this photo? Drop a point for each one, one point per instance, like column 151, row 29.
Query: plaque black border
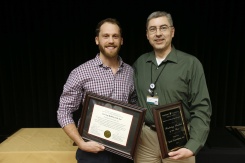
column 138, row 113
column 160, row 126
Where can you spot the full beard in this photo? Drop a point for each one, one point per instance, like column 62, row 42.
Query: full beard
column 110, row 54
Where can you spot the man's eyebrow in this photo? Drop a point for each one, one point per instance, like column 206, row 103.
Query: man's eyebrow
column 159, row 26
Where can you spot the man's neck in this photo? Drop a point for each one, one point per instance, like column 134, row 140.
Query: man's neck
column 163, row 53
column 113, row 62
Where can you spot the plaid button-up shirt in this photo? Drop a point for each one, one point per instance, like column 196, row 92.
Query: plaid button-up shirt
column 93, row 76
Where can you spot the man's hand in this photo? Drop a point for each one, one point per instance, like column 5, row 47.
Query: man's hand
column 181, row 153
column 91, row 146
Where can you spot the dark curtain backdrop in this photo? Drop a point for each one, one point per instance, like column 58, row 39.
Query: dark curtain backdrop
column 42, row 41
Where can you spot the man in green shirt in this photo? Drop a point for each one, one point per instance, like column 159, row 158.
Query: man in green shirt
column 164, row 76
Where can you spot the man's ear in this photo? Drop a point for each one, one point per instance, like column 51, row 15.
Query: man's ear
column 96, row 40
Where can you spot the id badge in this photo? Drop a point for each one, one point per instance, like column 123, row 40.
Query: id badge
column 152, row 100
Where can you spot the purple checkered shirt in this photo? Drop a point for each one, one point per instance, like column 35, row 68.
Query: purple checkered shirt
column 93, row 76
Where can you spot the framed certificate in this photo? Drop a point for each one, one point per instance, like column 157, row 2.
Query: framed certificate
column 114, row 124
column 171, row 127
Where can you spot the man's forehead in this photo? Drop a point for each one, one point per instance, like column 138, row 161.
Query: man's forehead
column 109, row 28
column 158, row 21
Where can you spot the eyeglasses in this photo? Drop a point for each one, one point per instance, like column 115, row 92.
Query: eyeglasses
column 162, row 28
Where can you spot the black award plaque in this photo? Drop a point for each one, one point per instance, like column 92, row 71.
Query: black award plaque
column 171, row 127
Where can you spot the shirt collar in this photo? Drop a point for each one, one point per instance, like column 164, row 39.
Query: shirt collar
column 98, row 61
column 172, row 56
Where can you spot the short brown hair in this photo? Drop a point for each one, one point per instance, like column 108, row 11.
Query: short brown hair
column 107, row 20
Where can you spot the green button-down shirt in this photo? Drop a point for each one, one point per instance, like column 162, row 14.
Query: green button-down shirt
column 182, row 78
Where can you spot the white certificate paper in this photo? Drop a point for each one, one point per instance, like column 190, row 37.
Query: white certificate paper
column 110, row 124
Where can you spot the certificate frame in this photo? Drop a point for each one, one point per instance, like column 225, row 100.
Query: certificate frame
column 92, row 103
column 171, row 127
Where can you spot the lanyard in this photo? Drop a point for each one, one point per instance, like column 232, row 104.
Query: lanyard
column 153, row 84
